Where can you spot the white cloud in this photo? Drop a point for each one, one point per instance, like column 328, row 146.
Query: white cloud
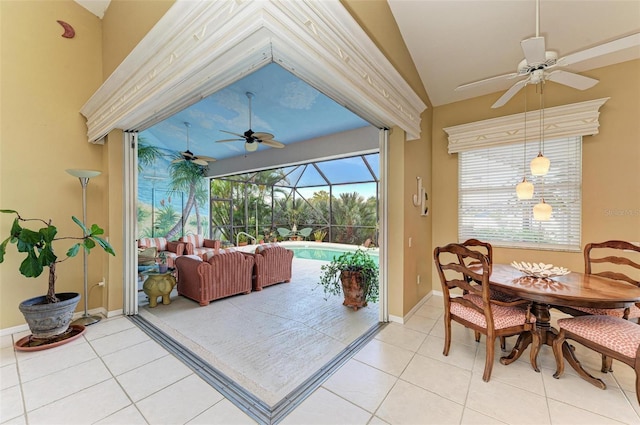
column 298, row 95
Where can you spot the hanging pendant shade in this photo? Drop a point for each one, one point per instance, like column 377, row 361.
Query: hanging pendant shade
column 542, row 211
column 540, row 165
column 524, row 189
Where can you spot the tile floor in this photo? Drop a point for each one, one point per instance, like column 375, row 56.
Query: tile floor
column 115, row 374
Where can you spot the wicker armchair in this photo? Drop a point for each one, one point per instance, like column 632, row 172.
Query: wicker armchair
column 272, row 265
column 224, row 274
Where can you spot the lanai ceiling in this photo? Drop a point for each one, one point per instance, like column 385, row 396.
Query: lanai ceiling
column 451, row 42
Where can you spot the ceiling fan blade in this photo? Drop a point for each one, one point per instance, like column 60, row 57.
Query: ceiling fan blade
column 273, row 143
column 235, row 134
column 200, row 162
column 263, row 136
column 486, row 81
column 510, row 93
column 603, row 49
column 534, row 50
column 207, row 158
column 570, row 79
column 229, row 140
column 175, row 161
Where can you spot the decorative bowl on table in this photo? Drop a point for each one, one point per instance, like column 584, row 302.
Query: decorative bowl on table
column 540, row 269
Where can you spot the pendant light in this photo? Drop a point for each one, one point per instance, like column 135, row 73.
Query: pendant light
column 542, row 210
column 524, row 189
column 540, row 164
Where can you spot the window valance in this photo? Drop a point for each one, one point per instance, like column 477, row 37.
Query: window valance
column 576, row 119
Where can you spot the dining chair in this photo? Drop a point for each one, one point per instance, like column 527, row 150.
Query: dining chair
column 611, row 336
column 614, row 260
column 617, row 267
column 469, row 303
column 487, row 250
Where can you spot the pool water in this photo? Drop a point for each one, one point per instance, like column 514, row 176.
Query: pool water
column 322, row 254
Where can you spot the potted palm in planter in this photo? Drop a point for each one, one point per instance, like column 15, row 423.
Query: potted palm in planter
column 48, row 316
column 353, row 273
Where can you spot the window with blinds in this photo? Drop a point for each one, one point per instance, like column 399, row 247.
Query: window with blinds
column 489, row 210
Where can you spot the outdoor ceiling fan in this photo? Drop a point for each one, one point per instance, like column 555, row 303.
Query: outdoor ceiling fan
column 252, row 139
column 538, row 64
column 190, row 156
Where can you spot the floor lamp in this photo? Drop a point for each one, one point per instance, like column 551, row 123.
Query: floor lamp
column 84, row 176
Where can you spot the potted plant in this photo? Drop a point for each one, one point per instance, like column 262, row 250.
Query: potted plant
column 319, row 235
column 355, row 274
column 162, row 265
column 37, row 245
column 242, row 240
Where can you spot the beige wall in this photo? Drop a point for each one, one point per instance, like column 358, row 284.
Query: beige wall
column 44, row 81
column 611, row 160
column 125, row 23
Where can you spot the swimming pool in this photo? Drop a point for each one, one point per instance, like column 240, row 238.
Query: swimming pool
column 324, row 252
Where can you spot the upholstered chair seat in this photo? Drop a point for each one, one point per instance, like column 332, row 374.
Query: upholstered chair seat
column 503, row 317
column 613, row 337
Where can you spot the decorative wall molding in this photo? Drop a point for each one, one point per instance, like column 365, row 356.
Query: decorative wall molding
column 576, row 119
column 200, row 47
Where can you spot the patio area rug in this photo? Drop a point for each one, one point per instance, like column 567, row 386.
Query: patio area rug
column 270, row 341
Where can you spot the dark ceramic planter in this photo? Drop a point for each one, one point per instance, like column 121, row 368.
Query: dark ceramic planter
column 46, row 320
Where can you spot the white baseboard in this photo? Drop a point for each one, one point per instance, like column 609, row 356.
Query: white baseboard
column 403, row 320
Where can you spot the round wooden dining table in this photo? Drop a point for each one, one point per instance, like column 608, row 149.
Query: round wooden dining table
column 572, row 290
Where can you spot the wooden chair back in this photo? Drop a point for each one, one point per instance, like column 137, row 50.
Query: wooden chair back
column 482, row 247
column 468, row 270
column 621, row 261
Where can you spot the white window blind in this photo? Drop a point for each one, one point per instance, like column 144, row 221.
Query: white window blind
column 489, row 210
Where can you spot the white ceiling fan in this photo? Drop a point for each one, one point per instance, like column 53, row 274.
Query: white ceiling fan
column 190, row 156
column 538, row 64
column 251, row 138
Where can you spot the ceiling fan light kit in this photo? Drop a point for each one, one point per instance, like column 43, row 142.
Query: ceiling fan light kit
column 251, row 146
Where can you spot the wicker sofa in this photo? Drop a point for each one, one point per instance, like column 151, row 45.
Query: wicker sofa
column 272, row 265
column 226, row 273
column 171, row 250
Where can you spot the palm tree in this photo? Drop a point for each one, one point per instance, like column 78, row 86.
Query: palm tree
column 186, row 177
column 147, row 154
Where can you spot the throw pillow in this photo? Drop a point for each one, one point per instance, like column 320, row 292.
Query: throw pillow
column 147, row 256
